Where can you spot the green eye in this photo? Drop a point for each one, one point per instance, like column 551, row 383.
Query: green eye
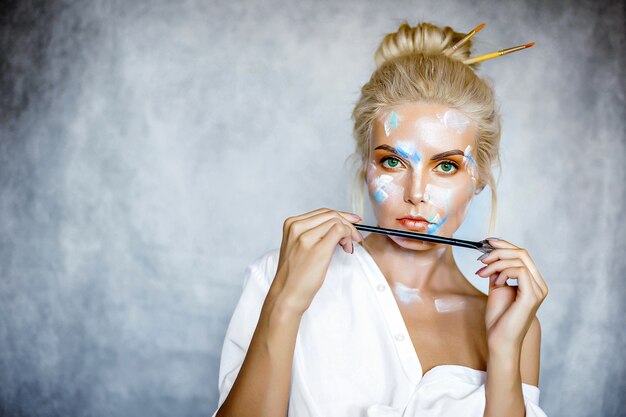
column 447, row 167
column 393, row 162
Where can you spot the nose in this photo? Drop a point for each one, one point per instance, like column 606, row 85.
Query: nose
column 414, row 192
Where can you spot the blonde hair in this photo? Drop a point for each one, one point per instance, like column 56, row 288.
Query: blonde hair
column 411, row 68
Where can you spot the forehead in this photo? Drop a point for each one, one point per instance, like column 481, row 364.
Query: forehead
column 429, row 125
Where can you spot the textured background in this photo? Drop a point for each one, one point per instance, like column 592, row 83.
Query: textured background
column 149, row 150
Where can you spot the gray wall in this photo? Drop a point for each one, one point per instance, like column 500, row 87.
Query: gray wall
column 149, row 150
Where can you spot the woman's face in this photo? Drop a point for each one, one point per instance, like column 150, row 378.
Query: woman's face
column 422, row 164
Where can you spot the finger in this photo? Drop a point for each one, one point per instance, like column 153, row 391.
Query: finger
column 289, row 221
column 347, row 220
column 492, row 279
column 525, row 285
column 524, row 256
column 302, row 225
column 498, row 266
column 333, row 236
column 314, row 235
column 511, row 254
column 501, row 243
column 526, row 278
column 345, row 214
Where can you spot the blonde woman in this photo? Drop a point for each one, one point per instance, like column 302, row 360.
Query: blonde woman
column 331, row 324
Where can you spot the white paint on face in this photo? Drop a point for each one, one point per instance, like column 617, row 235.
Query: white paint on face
column 380, row 184
column 423, row 131
column 429, row 130
column 407, row 294
column 470, row 164
column 454, row 119
column 391, row 122
column 438, row 196
column 449, row 304
column 408, row 149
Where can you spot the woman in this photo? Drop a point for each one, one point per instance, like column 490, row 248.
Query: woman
column 390, row 326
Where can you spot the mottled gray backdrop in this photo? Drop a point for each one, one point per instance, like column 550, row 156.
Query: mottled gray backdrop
column 149, row 150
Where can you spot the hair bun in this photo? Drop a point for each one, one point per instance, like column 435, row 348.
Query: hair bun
column 425, row 38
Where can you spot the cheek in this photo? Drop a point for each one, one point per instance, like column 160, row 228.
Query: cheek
column 439, row 197
column 382, row 187
column 446, row 201
column 440, row 200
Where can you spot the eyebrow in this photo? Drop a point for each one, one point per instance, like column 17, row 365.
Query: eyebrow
column 433, row 158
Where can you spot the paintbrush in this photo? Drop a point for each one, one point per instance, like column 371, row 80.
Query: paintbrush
column 497, row 53
column 482, row 245
column 467, row 37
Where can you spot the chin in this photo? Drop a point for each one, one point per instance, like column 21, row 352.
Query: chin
column 413, row 244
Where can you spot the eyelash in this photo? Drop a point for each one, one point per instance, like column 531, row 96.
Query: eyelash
column 454, row 164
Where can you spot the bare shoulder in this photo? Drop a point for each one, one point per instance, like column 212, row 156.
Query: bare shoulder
column 531, row 350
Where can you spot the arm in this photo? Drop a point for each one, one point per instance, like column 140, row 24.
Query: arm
column 513, row 331
column 507, row 369
column 263, row 383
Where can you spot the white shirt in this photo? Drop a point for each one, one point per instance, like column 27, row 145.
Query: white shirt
column 353, row 355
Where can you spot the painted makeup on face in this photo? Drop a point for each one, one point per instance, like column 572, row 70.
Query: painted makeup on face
column 422, row 165
column 391, row 122
column 469, row 163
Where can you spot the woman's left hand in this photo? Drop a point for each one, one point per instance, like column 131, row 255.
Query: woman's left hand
column 510, row 309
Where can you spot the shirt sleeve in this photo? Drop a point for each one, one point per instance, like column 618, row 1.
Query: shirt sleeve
column 241, row 327
column 531, row 401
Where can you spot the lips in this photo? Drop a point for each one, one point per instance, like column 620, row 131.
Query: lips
column 414, row 223
column 416, row 218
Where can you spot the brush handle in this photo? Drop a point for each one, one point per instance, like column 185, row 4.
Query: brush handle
column 482, row 246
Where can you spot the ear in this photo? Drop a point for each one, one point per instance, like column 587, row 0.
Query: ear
column 479, row 189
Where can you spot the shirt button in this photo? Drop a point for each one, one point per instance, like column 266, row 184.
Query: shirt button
column 399, row 337
column 381, row 287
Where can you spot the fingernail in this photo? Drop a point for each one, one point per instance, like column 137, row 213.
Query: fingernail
column 356, row 216
column 492, row 238
column 483, row 256
column 480, row 270
column 352, row 251
column 493, row 279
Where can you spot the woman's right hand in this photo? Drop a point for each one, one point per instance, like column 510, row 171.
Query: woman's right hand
column 308, row 243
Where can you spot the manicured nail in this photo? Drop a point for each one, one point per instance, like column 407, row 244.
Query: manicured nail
column 480, row 270
column 352, row 251
column 483, row 256
column 493, row 279
column 492, row 238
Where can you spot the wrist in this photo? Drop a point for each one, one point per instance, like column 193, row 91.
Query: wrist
column 505, row 357
column 505, row 348
column 282, row 307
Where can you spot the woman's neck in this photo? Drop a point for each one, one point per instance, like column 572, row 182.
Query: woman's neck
column 431, row 270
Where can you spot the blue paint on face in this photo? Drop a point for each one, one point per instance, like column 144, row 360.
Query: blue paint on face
column 409, row 153
column 380, row 196
column 393, row 120
column 432, row 228
column 468, row 156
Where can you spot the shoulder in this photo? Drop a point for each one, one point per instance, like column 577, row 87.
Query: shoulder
column 264, row 266
column 531, row 350
column 267, row 260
